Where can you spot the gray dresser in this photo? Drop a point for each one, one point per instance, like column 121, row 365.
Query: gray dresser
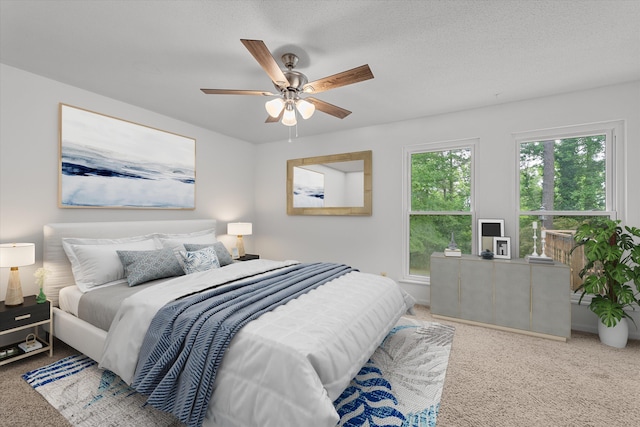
column 505, row 294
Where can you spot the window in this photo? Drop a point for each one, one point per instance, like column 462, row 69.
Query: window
column 438, row 202
column 566, row 177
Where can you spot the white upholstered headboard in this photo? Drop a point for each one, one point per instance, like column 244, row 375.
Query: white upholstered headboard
column 56, row 261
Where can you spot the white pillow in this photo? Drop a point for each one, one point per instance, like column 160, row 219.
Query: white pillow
column 95, row 262
column 174, row 241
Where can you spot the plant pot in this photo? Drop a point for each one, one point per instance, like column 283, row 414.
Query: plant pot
column 616, row 336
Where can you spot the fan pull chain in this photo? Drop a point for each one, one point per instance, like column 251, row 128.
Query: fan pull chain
column 296, row 126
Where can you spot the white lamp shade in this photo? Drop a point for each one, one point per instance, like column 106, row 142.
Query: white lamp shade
column 17, row 254
column 289, row 117
column 305, row 108
column 274, row 107
column 240, row 228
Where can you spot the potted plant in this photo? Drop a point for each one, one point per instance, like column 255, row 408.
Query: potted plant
column 41, row 276
column 611, row 275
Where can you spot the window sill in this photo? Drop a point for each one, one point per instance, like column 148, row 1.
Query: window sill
column 414, row 281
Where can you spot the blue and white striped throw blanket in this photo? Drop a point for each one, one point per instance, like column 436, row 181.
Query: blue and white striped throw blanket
column 187, row 338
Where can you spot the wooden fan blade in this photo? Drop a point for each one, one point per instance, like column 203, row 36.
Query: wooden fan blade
column 236, row 92
column 259, row 50
column 274, row 119
column 331, row 109
column 354, row 75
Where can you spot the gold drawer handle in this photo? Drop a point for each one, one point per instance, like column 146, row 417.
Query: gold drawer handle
column 24, row 316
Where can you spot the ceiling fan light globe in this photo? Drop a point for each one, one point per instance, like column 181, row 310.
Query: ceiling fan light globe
column 305, row 108
column 274, row 107
column 289, row 117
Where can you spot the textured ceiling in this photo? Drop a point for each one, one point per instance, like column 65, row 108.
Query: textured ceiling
column 428, row 56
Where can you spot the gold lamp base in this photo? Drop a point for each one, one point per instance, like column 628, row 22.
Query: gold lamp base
column 240, row 246
column 14, row 289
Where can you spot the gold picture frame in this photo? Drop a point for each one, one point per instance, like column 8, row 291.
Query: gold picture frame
column 354, row 168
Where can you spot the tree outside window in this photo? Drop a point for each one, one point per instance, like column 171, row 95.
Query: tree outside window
column 563, row 182
column 440, row 204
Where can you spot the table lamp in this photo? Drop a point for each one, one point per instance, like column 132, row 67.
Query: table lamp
column 16, row 255
column 240, row 229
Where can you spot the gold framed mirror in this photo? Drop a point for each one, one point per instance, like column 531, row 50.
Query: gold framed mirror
column 337, row 184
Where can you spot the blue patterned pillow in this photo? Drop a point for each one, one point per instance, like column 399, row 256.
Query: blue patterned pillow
column 200, row 260
column 224, row 257
column 143, row 266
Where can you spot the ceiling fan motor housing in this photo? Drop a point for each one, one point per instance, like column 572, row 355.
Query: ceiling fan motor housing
column 296, row 79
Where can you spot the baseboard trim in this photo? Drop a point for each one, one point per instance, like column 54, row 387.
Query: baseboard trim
column 501, row 328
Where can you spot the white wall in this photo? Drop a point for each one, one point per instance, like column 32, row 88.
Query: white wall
column 29, row 166
column 374, row 244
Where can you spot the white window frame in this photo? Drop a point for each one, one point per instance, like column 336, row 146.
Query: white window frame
column 614, row 165
column 407, row 152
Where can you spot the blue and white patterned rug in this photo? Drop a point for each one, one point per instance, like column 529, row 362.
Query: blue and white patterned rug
column 88, row 396
column 400, row 385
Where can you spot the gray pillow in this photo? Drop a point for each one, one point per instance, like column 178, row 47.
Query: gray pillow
column 224, row 257
column 143, row 266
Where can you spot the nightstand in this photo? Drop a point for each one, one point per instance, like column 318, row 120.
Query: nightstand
column 25, row 317
column 247, row 257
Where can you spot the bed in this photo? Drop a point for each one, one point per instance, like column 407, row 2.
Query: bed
column 282, row 368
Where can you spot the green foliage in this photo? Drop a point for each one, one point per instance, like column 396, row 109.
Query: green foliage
column 531, row 164
column 432, row 233
column 611, row 274
column 579, row 171
column 440, row 182
column 566, row 174
column 609, row 312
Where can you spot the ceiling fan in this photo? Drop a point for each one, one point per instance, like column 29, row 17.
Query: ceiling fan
column 291, row 84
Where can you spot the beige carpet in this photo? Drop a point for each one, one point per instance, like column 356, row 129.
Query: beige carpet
column 494, row 379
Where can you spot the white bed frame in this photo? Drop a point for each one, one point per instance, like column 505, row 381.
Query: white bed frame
column 79, row 334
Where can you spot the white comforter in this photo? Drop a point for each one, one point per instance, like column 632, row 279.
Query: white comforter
column 286, row 367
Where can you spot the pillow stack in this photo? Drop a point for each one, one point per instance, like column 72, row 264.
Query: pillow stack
column 140, row 259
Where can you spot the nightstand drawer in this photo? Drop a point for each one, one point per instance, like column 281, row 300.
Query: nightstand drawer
column 28, row 313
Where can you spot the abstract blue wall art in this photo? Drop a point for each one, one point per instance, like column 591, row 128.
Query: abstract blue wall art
column 308, row 188
column 108, row 162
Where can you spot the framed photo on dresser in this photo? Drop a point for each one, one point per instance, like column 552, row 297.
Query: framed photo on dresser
column 502, row 247
column 487, row 230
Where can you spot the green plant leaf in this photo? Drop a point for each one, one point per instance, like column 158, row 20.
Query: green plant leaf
column 595, row 285
column 612, row 264
column 625, row 295
column 608, row 311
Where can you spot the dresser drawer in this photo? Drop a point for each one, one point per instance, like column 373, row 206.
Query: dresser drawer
column 26, row 314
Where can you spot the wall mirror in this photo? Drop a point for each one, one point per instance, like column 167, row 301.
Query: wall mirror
column 337, row 184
